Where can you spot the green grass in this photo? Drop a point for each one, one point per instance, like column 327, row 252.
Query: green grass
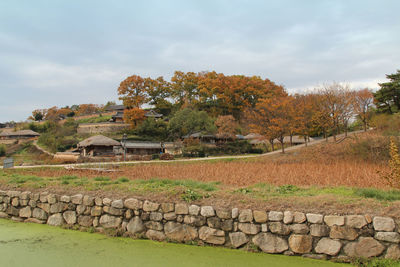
column 391, row 195
column 95, row 119
column 265, row 191
column 376, row 262
column 155, row 184
column 190, row 190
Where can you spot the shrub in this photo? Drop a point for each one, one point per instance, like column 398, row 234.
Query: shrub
column 166, row 156
column 393, row 176
column 2, row 150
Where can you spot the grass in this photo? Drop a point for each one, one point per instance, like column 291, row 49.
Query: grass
column 266, row 191
column 104, row 118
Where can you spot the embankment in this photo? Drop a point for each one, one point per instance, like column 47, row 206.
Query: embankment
column 290, row 233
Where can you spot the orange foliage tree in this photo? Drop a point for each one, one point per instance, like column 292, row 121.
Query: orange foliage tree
column 132, row 91
column 134, row 116
column 363, row 101
column 271, row 118
column 227, row 126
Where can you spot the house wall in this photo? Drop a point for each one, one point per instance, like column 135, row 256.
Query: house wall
column 339, row 237
column 143, row 151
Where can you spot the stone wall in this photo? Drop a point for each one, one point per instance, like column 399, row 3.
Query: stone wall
column 99, row 128
column 290, row 233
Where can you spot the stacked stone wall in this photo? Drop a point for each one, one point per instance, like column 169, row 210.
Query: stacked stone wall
column 99, row 128
column 290, row 233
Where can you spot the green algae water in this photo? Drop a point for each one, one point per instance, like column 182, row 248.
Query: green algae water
column 23, row 244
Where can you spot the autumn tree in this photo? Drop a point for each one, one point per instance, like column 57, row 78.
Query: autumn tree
column 134, row 116
column 184, row 88
column 87, row 109
column 51, row 114
column 271, row 119
column 132, row 91
column 337, row 103
column 302, row 115
column 363, row 100
column 227, row 126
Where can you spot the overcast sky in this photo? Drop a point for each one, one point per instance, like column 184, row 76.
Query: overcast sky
column 72, row 52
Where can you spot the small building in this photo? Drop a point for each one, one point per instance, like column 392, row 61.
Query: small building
column 118, row 117
column 22, row 134
column 203, row 138
column 119, row 113
column 153, row 114
column 143, row 148
column 98, row 145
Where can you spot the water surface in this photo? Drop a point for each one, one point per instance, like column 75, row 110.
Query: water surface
column 24, row 244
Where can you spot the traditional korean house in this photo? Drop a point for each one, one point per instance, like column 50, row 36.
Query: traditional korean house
column 153, row 114
column 23, row 134
column 98, row 145
column 143, row 148
column 204, row 138
column 119, row 113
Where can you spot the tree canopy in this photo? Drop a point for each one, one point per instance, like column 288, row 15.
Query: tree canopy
column 387, row 99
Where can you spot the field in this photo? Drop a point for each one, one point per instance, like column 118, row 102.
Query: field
column 343, row 177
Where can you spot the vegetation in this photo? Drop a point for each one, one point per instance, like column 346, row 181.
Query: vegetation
column 56, row 137
column 97, row 119
column 387, row 99
column 2, row 150
column 187, row 121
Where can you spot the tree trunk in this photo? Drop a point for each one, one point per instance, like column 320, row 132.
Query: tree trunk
column 272, row 144
column 282, row 144
column 365, row 126
column 291, row 139
column 305, row 140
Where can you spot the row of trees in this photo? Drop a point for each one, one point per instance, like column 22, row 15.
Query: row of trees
column 215, row 93
column 56, row 113
column 259, row 105
column 325, row 111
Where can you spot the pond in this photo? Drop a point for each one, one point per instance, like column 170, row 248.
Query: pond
column 24, row 244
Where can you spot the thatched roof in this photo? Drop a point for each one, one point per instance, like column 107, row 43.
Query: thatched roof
column 98, row 140
column 19, row 133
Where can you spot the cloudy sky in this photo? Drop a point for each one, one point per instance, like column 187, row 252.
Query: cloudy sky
column 71, row 52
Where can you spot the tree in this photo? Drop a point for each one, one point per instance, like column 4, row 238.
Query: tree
column 132, row 91
column 188, row 121
column 134, row 116
column 271, row 118
column 184, row 88
column 156, row 129
column 336, row 102
column 387, row 99
column 158, row 91
column 302, row 116
column 38, row 115
column 227, row 126
column 87, row 109
column 363, row 100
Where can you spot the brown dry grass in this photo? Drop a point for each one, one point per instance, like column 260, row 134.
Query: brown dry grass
column 328, row 164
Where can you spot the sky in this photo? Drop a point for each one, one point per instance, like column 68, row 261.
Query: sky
column 58, row 53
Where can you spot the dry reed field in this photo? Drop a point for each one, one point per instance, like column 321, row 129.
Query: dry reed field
column 329, row 164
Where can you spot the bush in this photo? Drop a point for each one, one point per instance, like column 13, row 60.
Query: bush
column 2, row 150
column 166, row 156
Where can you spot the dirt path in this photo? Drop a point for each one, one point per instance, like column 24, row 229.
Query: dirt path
column 179, row 160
